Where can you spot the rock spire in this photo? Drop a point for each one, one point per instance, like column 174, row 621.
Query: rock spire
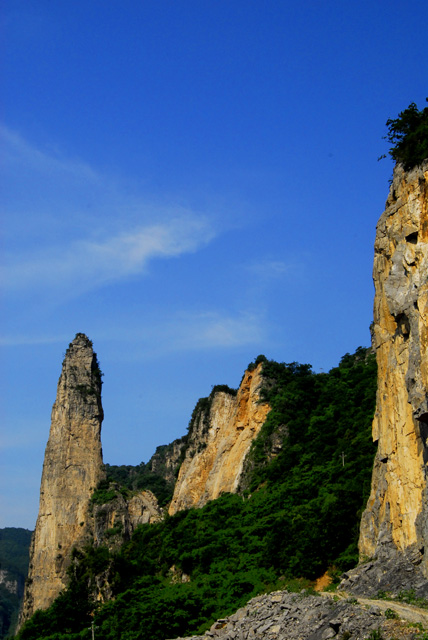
column 72, row 469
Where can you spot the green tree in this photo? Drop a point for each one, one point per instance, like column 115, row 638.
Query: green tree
column 409, row 136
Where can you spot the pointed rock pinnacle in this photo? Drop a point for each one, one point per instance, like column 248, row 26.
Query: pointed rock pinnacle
column 72, row 469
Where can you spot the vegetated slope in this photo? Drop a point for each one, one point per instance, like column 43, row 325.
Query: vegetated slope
column 306, row 482
column 160, row 473
column 14, row 547
column 142, row 476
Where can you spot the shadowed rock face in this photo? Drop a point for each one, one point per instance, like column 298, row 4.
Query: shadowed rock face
column 115, row 521
column 72, row 469
column 219, row 441
column 396, row 516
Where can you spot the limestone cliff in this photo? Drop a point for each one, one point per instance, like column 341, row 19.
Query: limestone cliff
column 220, row 435
column 394, row 524
column 71, row 471
column 114, row 521
column 167, row 460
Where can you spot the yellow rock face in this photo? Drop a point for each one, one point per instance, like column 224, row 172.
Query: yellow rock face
column 223, row 438
column 72, row 469
column 396, row 511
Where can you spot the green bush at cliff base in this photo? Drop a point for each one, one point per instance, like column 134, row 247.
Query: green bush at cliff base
column 307, row 485
column 408, row 133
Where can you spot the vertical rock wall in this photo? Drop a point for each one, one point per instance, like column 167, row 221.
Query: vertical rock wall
column 396, row 517
column 115, row 521
column 72, row 469
column 218, row 443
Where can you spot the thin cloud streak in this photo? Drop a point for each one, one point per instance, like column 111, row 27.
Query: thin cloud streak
column 213, row 330
column 18, row 153
column 74, row 229
column 87, row 264
column 272, row 269
column 22, row 340
column 190, row 331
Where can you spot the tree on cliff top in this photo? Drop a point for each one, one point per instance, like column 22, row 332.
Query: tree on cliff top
column 409, row 136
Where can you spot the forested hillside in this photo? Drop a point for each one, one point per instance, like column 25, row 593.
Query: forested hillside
column 306, row 481
column 14, row 546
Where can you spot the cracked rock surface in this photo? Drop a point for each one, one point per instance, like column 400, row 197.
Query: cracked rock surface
column 72, row 469
column 288, row 616
column 396, row 515
column 218, row 444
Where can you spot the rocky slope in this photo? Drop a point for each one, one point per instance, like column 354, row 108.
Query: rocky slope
column 394, row 525
column 72, row 469
column 289, row 616
column 220, row 435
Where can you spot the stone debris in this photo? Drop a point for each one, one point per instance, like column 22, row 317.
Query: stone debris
column 289, row 616
column 393, row 572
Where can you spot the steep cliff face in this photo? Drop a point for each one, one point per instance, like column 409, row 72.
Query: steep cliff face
column 167, row 459
column 395, row 519
column 71, row 471
column 219, row 439
column 115, row 521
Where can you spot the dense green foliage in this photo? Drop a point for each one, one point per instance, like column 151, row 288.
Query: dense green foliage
column 14, row 546
column 409, row 136
column 134, row 478
column 106, row 491
column 307, row 480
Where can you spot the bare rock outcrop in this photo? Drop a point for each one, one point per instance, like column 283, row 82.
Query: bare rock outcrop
column 115, row 520
column 394, row 526
column 72, row 469
column 167, row 459
column 281, row 615
column 219, row 438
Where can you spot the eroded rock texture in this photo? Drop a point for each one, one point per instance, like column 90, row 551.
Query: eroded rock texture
column 71, row 471
column 289, row 616
column 115, row 521
column 396, row 515
column 219, row 440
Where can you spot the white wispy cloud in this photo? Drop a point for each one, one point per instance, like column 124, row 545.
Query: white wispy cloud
column 85, row 264
column 186, row 331
column 271, row 269
column 20, row 340
column 68, row 226
column 211, row 329
column 17, row 153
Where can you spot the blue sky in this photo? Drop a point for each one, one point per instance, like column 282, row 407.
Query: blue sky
column 190, row 183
